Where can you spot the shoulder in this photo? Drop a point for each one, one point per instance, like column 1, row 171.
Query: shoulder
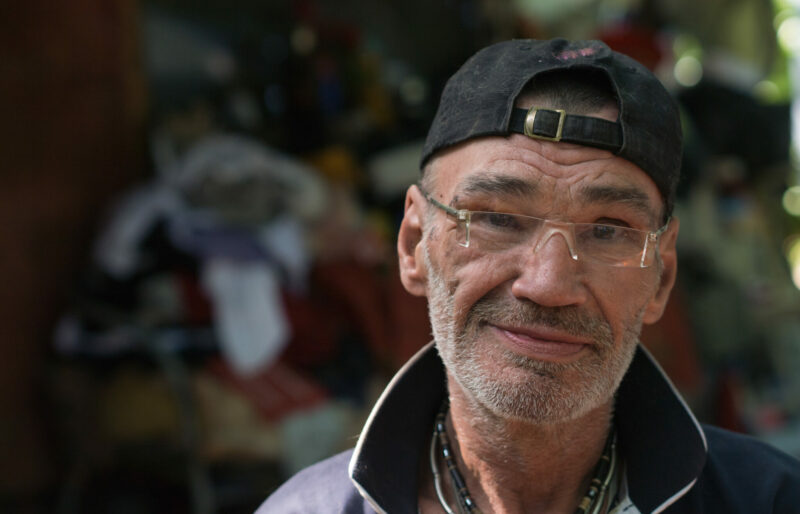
column 322, row 488
column 743, row 474
column 730, row 449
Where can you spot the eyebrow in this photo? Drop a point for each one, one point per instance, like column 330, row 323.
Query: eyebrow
column 630, row 195
column 500, row 185
column 598, row 194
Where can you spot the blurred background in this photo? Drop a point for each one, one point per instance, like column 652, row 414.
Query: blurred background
column 199, row 201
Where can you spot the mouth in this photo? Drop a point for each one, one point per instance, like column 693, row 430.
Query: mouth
column 541, row 343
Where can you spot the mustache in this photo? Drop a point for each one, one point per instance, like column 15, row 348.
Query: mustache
column 496, row 309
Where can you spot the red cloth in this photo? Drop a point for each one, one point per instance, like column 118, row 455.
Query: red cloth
column 275, row 392
column 637, row 41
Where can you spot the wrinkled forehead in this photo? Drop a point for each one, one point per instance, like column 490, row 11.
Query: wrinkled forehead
column 547, row 172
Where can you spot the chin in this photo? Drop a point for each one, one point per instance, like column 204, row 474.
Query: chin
column 521, row 389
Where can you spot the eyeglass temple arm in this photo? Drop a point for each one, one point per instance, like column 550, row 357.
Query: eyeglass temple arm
column 653, row 237
column 449, row 210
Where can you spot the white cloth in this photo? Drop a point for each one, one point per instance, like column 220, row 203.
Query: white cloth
column 249, row 318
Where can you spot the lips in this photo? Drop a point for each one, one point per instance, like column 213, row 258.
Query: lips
column 541, row 344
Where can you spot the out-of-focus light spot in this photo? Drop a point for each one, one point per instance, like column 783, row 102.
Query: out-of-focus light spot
column 789, row 34
column 688, row 71
column 413, row 90
column 788, row 3
column 781, row 15
column 245, row 109
column 767, row 91
column 303, row 40
column 686, row 44
column 220, row 65
column 796, row 275
column 791, row 200
column 792, row 248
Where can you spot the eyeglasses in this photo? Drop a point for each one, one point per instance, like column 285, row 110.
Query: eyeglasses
column 499, row 232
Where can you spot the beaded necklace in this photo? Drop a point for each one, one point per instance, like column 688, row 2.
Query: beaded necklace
column 592, row 501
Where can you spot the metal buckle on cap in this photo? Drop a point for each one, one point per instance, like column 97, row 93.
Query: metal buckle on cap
column 530, row 118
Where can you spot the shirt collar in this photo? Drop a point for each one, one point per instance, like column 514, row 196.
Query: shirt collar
column 653, row 422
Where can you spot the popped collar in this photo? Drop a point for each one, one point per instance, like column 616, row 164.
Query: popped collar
column 672, row 464
column 653, row 422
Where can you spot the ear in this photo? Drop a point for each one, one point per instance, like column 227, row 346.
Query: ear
column 669, row 260
column 409, row 245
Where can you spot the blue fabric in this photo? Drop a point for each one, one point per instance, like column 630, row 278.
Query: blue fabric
column 323, row 487
column 743, row 476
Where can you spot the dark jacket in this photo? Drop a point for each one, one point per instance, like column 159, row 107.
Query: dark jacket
column 672, row 464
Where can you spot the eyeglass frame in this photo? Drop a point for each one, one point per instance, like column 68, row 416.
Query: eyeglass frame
column 463, row 215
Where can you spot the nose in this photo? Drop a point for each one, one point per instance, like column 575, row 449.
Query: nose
column 551, row 229
column 549, row 273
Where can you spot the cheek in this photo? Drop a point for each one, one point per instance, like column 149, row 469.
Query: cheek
column 472, row 278
column 467, row 274
column 622, row 295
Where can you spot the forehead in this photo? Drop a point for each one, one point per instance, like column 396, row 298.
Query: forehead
column 557, row 172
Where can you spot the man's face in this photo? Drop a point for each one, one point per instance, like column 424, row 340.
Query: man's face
column 531, row 335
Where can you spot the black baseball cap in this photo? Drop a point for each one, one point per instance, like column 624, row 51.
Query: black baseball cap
column 478, row 101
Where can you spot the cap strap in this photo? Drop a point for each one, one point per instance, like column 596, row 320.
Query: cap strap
column 555, row 125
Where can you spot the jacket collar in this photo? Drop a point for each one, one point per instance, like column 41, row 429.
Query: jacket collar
column 653, row 422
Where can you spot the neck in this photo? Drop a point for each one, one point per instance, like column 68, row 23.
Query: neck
column 519, row 466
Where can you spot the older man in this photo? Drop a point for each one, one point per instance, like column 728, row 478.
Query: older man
column 541, row 234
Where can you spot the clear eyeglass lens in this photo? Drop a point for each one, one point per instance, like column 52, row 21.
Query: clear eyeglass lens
column 499, row 232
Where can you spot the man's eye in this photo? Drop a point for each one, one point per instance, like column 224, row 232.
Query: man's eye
column 604, row 231
column 500, row 220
